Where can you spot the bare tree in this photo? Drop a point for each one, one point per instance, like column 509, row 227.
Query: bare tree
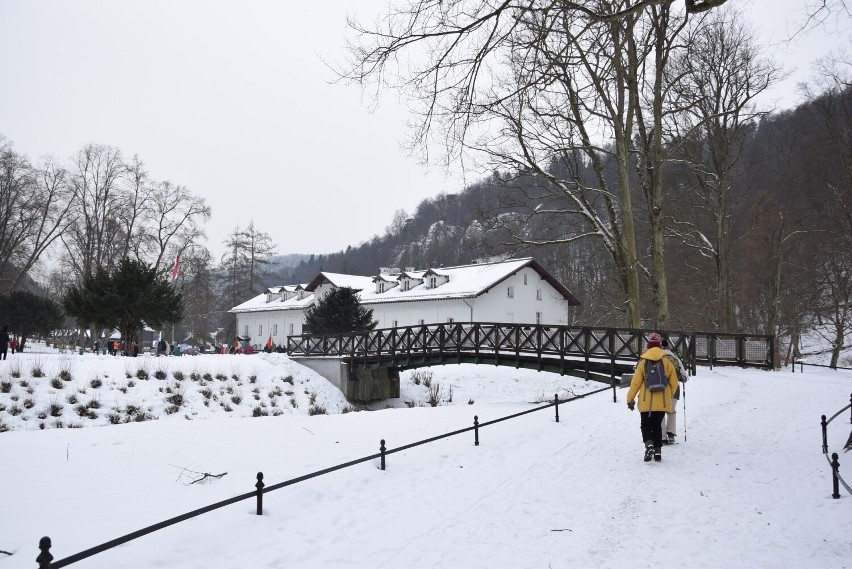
column 717, row 78
column 34, row 212
column 96, row 237
column 174, row 222
column 529, row 82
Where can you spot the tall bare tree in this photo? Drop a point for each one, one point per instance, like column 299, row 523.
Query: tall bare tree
column 717, row 77
column 532, row 81
column 34, row 212
column 96, row 237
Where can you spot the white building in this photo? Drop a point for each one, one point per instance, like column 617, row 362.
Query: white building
column 513, row 291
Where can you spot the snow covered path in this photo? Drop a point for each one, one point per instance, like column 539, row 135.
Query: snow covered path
column 748, row 488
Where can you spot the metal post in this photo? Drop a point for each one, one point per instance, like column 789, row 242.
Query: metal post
column 476, row 430
column 835, row 467
column 382, row 451
column 824, row 424
column 556, row 405
column 44, row 558
column 794, row 363
column 850, row 407
column 259, row 487
column 614, row 392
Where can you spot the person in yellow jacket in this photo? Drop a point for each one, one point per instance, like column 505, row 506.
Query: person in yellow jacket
column 653, row 405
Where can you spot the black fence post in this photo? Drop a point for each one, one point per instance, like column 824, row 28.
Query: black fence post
column 476, row 430
column 382, row 452
column 794, row 363
column 614, row 392
column 835, row 468
column 850, row 407
column 44, row 558
column 259, row 487
column 824, row 435
column 556, row 405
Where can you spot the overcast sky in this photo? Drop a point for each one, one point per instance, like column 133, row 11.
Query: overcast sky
column 231, row 98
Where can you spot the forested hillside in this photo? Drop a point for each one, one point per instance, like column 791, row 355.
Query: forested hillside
column 776, row 242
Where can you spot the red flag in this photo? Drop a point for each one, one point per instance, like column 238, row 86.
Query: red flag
column 269, row 343
column 176, row 268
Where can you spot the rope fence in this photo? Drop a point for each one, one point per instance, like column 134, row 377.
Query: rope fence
column 45, row 558
column 833, row 461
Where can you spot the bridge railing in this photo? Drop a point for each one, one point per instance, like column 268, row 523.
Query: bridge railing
column 542, row 341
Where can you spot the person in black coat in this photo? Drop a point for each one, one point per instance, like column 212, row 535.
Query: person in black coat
column 4, row 342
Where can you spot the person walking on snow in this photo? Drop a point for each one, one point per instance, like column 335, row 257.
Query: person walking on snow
column 653, row 405
column 4, row 342
column 669, row 424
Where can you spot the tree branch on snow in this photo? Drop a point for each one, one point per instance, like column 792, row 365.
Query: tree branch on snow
column 189, row 477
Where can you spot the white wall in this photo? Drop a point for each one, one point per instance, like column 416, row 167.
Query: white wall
column 283, row 318
column 493, row 306
column 497, row 306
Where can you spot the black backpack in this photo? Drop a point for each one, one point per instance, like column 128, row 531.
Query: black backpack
column 655, row 376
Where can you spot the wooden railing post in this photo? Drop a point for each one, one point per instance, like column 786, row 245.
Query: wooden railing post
column 382, row 450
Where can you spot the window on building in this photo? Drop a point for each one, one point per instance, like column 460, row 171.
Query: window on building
column 511, row 292
column 450, row 320
column 246, row 332
column 525, row 278
column 291, row 329
column 538, row 294
column 259, row 330
column 395, row 324
column 538, row 317
column 275, row 329
column 433, row 282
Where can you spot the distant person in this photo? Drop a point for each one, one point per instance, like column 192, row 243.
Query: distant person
column 653, row 404
column 97, row 346
column 669, row 424
column 4, row 342
column 14, row 344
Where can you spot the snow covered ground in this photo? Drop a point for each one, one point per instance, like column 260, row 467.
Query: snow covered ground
column 748, row 487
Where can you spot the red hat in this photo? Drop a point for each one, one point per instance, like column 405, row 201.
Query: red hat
column 654, row 340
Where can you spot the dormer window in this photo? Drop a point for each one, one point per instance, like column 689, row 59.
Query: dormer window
column 406, row 285
column 433, row 282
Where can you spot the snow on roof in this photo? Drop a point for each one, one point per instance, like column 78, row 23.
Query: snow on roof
column 340, row 280
column 464, row 282
column 259, row 304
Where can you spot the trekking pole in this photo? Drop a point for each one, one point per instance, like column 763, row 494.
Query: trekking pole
column 684, row 412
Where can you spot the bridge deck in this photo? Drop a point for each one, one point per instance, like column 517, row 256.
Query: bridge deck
column 592, row 353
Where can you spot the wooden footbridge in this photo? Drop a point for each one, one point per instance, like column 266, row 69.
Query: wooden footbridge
column 599, row 354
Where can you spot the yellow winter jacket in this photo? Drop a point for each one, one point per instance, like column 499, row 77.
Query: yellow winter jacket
column 650, row 401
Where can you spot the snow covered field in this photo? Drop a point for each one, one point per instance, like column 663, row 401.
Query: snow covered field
column 748, row 488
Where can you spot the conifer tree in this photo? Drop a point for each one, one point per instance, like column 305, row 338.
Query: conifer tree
column 129, row 297
column 338, row 312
